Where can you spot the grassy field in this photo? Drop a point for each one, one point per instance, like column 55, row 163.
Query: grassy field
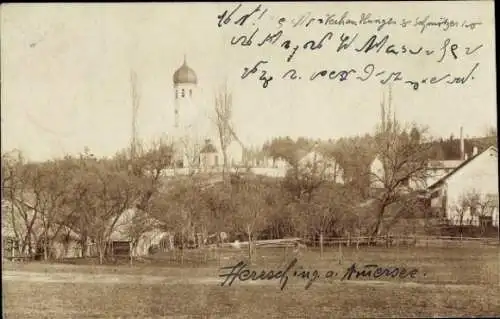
column 449, row 282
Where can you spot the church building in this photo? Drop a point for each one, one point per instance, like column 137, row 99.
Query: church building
column 196, row 145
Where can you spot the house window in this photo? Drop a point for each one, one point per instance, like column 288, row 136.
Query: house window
column 183, row 93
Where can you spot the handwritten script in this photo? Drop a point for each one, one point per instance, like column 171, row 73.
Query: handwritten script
column 256, row 27
column 241, row 272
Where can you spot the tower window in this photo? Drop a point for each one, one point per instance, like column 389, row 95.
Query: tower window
column 190, row 92
column 182, row 93
column 176, row 94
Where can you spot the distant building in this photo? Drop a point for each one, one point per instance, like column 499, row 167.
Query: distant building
column 436, row 170
column 479, row 175
column 65, row 243
column 209, row 155
column 125, row 239
column 439, row 169
column 318, row 163
column 378, row 177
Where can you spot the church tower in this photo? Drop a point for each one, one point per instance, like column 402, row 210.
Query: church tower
column 185, row 114
column 185, row 82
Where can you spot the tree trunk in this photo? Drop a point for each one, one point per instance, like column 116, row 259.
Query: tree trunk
column 380, row 216
column 131, row 247
column 101, row 247
column 250, row 246
column 45, row 248
column 84, row 246
column 321, row 243
column 225, row 164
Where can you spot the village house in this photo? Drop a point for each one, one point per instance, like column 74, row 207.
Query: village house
column 436, row 169
column 317, row 162
column 24, row 229
column 378, row 178
column 477, row 175
column 134, row 234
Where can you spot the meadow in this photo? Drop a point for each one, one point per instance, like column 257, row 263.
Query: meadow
column 450, row 282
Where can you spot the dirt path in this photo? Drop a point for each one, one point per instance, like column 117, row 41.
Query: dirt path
column 60, row 277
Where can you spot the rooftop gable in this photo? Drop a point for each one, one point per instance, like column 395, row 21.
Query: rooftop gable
column 491, row 149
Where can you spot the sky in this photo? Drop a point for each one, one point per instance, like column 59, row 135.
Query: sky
column 65, row 72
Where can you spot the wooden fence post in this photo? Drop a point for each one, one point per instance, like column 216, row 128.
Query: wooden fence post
column 130, row 248
column 321, row 244
column 348, row 239
column 340, row 252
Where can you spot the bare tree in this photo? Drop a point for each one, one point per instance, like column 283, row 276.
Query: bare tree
column 139, row 224
column 217, row 206
column 149, row 165
column 481, row 207
column 223, row 116
column 250, row 200
column 49, row 187
column 189, row 148
column 326, row 212
column 463, row 209
column 18, row 211
column 404, row 162
column 110, row 191
column 179, row 206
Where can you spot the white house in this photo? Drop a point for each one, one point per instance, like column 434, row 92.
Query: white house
column 377, row 173
column 378, row 177
column 477, row 175
column 438, row 169
column 144, row 231
column 435, row 171
column 327, row 166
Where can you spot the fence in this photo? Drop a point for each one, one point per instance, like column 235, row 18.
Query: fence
column 400, row 240
column 282, row 249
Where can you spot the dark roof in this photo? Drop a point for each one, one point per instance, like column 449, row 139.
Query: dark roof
column 444, row 178
column 208, row 148
column 185, row 75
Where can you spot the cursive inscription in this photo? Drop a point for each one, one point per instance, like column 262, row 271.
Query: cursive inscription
column 350, row 33
column 374, row 272
column 241, row 272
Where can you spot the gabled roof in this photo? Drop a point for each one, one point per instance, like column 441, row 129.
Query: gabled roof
column 316, row 150
column 459, row 167
column 445, row 164
column 208, row 148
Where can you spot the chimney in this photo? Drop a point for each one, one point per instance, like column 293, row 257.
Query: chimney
column 462, row 145
column 474, row 151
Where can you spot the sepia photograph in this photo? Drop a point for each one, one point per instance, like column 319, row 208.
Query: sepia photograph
column 249, row 160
